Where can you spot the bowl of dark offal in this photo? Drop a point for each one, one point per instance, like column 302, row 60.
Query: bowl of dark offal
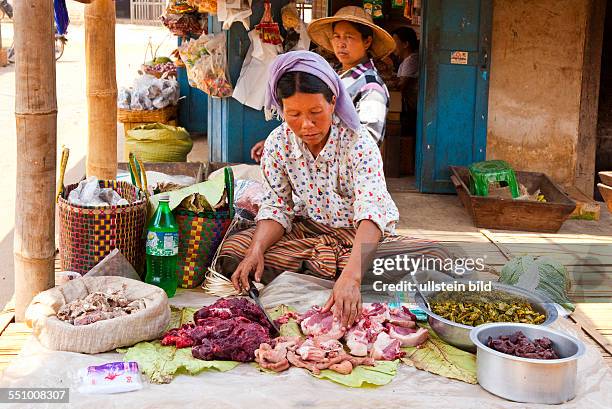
column 453, row 314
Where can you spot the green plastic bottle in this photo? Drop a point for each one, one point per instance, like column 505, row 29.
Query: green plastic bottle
column 162, row 248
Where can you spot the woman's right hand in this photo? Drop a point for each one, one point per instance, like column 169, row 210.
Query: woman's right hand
column 257, row 151
column 253, row 263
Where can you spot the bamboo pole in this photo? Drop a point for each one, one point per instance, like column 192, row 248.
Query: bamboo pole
column 101, row 89
column 36, row 121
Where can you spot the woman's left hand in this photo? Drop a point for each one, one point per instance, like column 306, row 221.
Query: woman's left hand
column 345, row 299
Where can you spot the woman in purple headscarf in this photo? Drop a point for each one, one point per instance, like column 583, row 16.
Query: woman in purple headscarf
column 324, row 159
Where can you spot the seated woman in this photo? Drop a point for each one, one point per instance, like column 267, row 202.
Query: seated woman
column 356, row 41
column 324, row 156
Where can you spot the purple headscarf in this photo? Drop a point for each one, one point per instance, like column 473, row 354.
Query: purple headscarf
column 311, row 63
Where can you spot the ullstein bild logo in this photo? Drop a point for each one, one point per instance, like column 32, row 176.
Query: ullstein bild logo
column 404, row 262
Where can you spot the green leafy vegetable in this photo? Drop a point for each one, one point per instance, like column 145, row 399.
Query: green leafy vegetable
column 162, row 363
column 440, row 358
column 541, row 274
column 211, row 192
column 363, row 376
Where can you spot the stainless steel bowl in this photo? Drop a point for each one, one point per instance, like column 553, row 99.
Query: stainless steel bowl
column 459, row 335
column 550, row 381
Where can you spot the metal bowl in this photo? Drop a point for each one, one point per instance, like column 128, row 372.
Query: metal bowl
column 459, row 335
column 549, row 381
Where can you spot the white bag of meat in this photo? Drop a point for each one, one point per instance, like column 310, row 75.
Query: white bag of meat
column 107, row 334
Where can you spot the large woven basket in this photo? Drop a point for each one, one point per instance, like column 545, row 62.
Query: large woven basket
column 88, row 233
column 200, row 234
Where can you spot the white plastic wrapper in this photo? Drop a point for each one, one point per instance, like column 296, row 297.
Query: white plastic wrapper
column 113, row 377
column 89, row 193
column 148, row 92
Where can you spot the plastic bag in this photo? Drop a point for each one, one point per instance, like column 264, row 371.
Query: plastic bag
column 237, row 10
column 268, row 30
column 249, row 195
column 255, row 72
column 114, row 377
column 114, row 264
column 206, row 63
column 89, row 193
column 159, row 143
column 148, row 92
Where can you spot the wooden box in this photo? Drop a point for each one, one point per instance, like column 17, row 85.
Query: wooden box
column 510, row 214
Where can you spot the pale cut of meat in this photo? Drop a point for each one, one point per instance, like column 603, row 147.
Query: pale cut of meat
column 313, row 350
column 386, row 348
column 343, row 368
column 408, row 337
column 357, row 341
column 321, row 325
column 402, row 317
column 275, row 359
column 376, row 312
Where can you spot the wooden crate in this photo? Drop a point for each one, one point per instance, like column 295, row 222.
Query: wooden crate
column 510, row 214
column 606, row 193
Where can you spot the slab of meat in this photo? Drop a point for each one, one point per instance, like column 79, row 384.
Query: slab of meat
column 232, row 307
column 231, row 329
column 376, row 312
column 360, row 337
column 409, row 337
column 320, row 325
column 386, row 348
column 313, row 350
column 402, row 317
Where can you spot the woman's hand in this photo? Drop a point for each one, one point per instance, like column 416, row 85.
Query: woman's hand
column 252, row 263
column 257, row 151
column 345, row 299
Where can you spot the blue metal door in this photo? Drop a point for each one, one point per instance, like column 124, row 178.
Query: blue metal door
column 454, row 86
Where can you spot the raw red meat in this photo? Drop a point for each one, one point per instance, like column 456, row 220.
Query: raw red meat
column 231, row 328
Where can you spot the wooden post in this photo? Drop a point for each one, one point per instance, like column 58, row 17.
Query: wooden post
column 36, row 120
column 101, row 89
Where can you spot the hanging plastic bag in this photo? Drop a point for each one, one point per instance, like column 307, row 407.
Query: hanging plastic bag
column 206, row 63
column 268, row 30
column 230, row 11
column 250, row 89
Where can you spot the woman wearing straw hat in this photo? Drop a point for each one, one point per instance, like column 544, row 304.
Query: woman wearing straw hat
column 356, row 41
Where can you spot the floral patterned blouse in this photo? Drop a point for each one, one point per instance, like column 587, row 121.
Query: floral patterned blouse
column 343, row 185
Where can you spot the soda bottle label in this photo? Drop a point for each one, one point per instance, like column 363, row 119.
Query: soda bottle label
column 162, row 244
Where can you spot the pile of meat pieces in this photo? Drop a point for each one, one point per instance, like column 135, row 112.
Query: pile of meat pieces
column 230, row 329
column 378, row 335
column 99, row 306
column 310, row 354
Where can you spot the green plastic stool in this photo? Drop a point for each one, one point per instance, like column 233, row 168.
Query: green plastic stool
column 484, row 173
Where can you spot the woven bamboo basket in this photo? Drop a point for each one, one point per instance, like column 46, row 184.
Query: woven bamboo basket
column 89, row 233
column 150, row 116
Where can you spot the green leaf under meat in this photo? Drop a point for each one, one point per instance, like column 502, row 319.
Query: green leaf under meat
column 440, row 358
column 363, row 376
column 162, row 363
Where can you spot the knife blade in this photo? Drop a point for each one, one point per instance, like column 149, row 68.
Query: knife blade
column 254, row 294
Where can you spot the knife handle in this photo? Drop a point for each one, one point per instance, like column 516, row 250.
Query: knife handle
column 252, row 289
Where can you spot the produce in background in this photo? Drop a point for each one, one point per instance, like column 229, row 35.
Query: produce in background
column 204, row 6
column 184, row 25
column 543, row 275
column 148, row 93
column 159, row 69
column 180, row 7
column 206, row 63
